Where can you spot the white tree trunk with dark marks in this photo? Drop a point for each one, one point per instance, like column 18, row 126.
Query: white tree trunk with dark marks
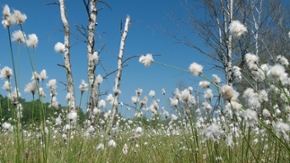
column 90, row 49
column 66, row 55
column 119, row 74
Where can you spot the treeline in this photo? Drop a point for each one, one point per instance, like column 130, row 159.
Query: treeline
column 31, row 111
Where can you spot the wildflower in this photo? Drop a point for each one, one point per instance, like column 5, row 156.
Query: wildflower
column 43, row 75
column 174, row 117
column 237, row 29
column 265, row 67
column 107, row 114
column 96, row 111
column 31, row 87
column 204, row 84
column 6, row 125
column 185, row 95
column 54, row 102
column 228, row 93
column 58, row 121
column 237, row 73
column 14, row 96
column 263, row 95
column 219, row 159
column 99, row 79
column 102, row 104
column 138, row 130
column 72, row 116
column 155, row 105
column 116, row 91
column 190, row 89
column 282, row 60
column 112, row 143
column 59, row 47
column 191, row 100
column 32, row 40
column 8, row 19
column 6, row 11
column 266, row 113
column 51, row 83
column 276, row 72
column 216, row 79
column 152, row 93
column 35, row 76
column 20, row 18
column 94, row 57
column 6, row 73
column 68, row 96
column 249, row 93
column 229, row 140
column 282, row 129
column 277, row 111
column 208, row 94
column 146, row 60
column 251, row 58
column 18, row 36
column 206, row 106
column 233, row 105
column 134, row 99
column 6, row 85
column 285, row 80
column 165, row 113
column 174, row 102
column 125, row 149
column 258, row 74
column 250, row 117
column 252, row 61
column 100, row 147
column 138, row 92
column 138, row 115
column 83, row 87
column 212, row 132
column 143, row 101
column 195, row 69
column 163, row 91
column 177, row 94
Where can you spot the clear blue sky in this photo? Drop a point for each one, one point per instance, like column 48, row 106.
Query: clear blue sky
column 144, row 37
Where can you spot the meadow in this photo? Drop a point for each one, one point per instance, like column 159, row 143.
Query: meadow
column 223, row 123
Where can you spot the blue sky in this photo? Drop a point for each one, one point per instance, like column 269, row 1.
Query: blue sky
column 144, row 37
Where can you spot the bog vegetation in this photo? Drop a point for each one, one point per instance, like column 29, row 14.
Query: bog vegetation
column 219, row 124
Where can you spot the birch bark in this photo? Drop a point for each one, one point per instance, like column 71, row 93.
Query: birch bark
column 66, row 55
column 119, row 74
column 90, row 49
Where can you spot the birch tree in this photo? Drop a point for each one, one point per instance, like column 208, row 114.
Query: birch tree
column 66, row 55
column 92, row 55
column 209, row 20
column 119, row 73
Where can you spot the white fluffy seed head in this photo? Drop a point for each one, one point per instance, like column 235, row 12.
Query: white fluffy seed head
column 146, row 60
column 32, row 40
column 228, row 93
column 19, row 17
column 237, row 29
column 59, row 47
column 195, row 69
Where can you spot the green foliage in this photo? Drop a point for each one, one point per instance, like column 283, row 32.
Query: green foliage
column 50, row 113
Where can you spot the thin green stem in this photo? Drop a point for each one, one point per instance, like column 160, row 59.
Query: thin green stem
column 170, row 66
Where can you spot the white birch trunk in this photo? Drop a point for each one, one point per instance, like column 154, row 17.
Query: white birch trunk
column 90, row 49
column 229, row 55
column 66, row 55
column 256, row 22
column 119, row 74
